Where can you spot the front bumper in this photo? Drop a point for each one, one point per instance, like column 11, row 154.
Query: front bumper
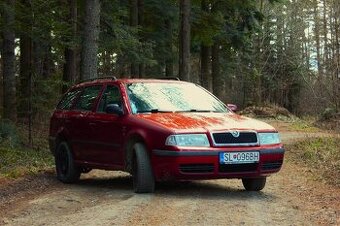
column 204, row 164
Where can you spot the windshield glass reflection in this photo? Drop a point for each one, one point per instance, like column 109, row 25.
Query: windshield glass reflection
column 171, row 97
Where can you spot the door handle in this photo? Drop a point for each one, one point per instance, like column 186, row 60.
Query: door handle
column 92, row 123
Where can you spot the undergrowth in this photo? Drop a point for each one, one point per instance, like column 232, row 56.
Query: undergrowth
column 321, row 155
column 16, row 157
column 16, row 162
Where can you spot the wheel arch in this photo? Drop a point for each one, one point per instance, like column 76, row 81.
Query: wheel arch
column 133, row 138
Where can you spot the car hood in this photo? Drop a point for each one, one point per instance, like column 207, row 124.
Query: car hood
column 203, row 122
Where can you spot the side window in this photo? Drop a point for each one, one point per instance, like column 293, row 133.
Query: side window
column 87, row 98
column 68, row 99
column 110, row 96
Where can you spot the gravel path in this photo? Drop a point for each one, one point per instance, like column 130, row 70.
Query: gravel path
column 290, row 197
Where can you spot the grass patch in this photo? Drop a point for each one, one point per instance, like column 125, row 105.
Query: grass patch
column 321, row 155
column 303, row 126
column 17, row 162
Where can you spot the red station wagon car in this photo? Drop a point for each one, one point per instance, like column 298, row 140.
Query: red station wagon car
column 159, row 130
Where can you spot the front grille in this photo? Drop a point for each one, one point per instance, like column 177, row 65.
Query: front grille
column 196, row 168
column 227, row 138
column 236, row 168
column 271, row 165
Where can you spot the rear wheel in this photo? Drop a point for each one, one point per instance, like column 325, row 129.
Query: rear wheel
column 143, row 179
column 67, row 171
column 254, row 184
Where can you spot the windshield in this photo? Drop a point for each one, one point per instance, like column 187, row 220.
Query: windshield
column 171, row 97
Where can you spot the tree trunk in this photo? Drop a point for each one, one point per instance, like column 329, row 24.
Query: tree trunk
column 141, row 69
column 217, row 78
column 184, row 40
column 70, row 65
column 317, row 37
column 26, row 73
column 325, row 33
column 336, row 72
column 134, row 23
column 90, row 40
column 1, row 79
column 169, row 64
column 205, row 55
column 258, row 61
column 25, row 68
column 48, row 64
column 205, row 62
column 42, row 60
column 10, row 104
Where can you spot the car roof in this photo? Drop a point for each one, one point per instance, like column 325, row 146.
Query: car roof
column 126, row 80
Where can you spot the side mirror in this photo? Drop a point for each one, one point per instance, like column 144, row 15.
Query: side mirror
column 114, row 109
column 232, row 107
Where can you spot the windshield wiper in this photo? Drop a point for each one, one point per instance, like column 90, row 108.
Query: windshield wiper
column 153, row 111
column 196, row 110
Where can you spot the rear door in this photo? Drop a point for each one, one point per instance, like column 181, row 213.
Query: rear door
column 60, row 121
column 80, row 124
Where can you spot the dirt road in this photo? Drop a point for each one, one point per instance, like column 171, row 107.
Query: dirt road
column 290, row 197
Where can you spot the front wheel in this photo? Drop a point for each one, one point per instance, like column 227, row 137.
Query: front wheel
column 67, row 171
column 143, row 179
column 254, row 184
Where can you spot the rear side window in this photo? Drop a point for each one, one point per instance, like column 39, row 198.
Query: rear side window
column 87, row 98
column 68, row 99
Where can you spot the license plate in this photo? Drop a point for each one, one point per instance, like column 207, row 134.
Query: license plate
column 239, row 157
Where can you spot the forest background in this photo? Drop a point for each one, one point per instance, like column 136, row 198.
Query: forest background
column 249, row 52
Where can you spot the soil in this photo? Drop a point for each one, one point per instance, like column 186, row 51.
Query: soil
column 291, row 197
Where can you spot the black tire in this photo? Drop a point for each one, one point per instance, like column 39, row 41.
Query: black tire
column 254, row 184
column 67, row 171
column 143, row 178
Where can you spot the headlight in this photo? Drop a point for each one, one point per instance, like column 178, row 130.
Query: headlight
column 188, row 140
column 269, row 138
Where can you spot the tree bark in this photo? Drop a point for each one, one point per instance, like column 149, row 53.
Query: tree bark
column 217, row 78
column 9, row 82
column 90, row 40
column 184, row 40
column 70, row 65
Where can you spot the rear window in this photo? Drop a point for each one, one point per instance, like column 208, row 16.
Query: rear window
column 68, row 99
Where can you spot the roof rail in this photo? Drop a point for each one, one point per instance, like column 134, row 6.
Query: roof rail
column 93, row 79
column 169, row 78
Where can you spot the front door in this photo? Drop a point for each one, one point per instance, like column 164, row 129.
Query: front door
column 106, row 129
